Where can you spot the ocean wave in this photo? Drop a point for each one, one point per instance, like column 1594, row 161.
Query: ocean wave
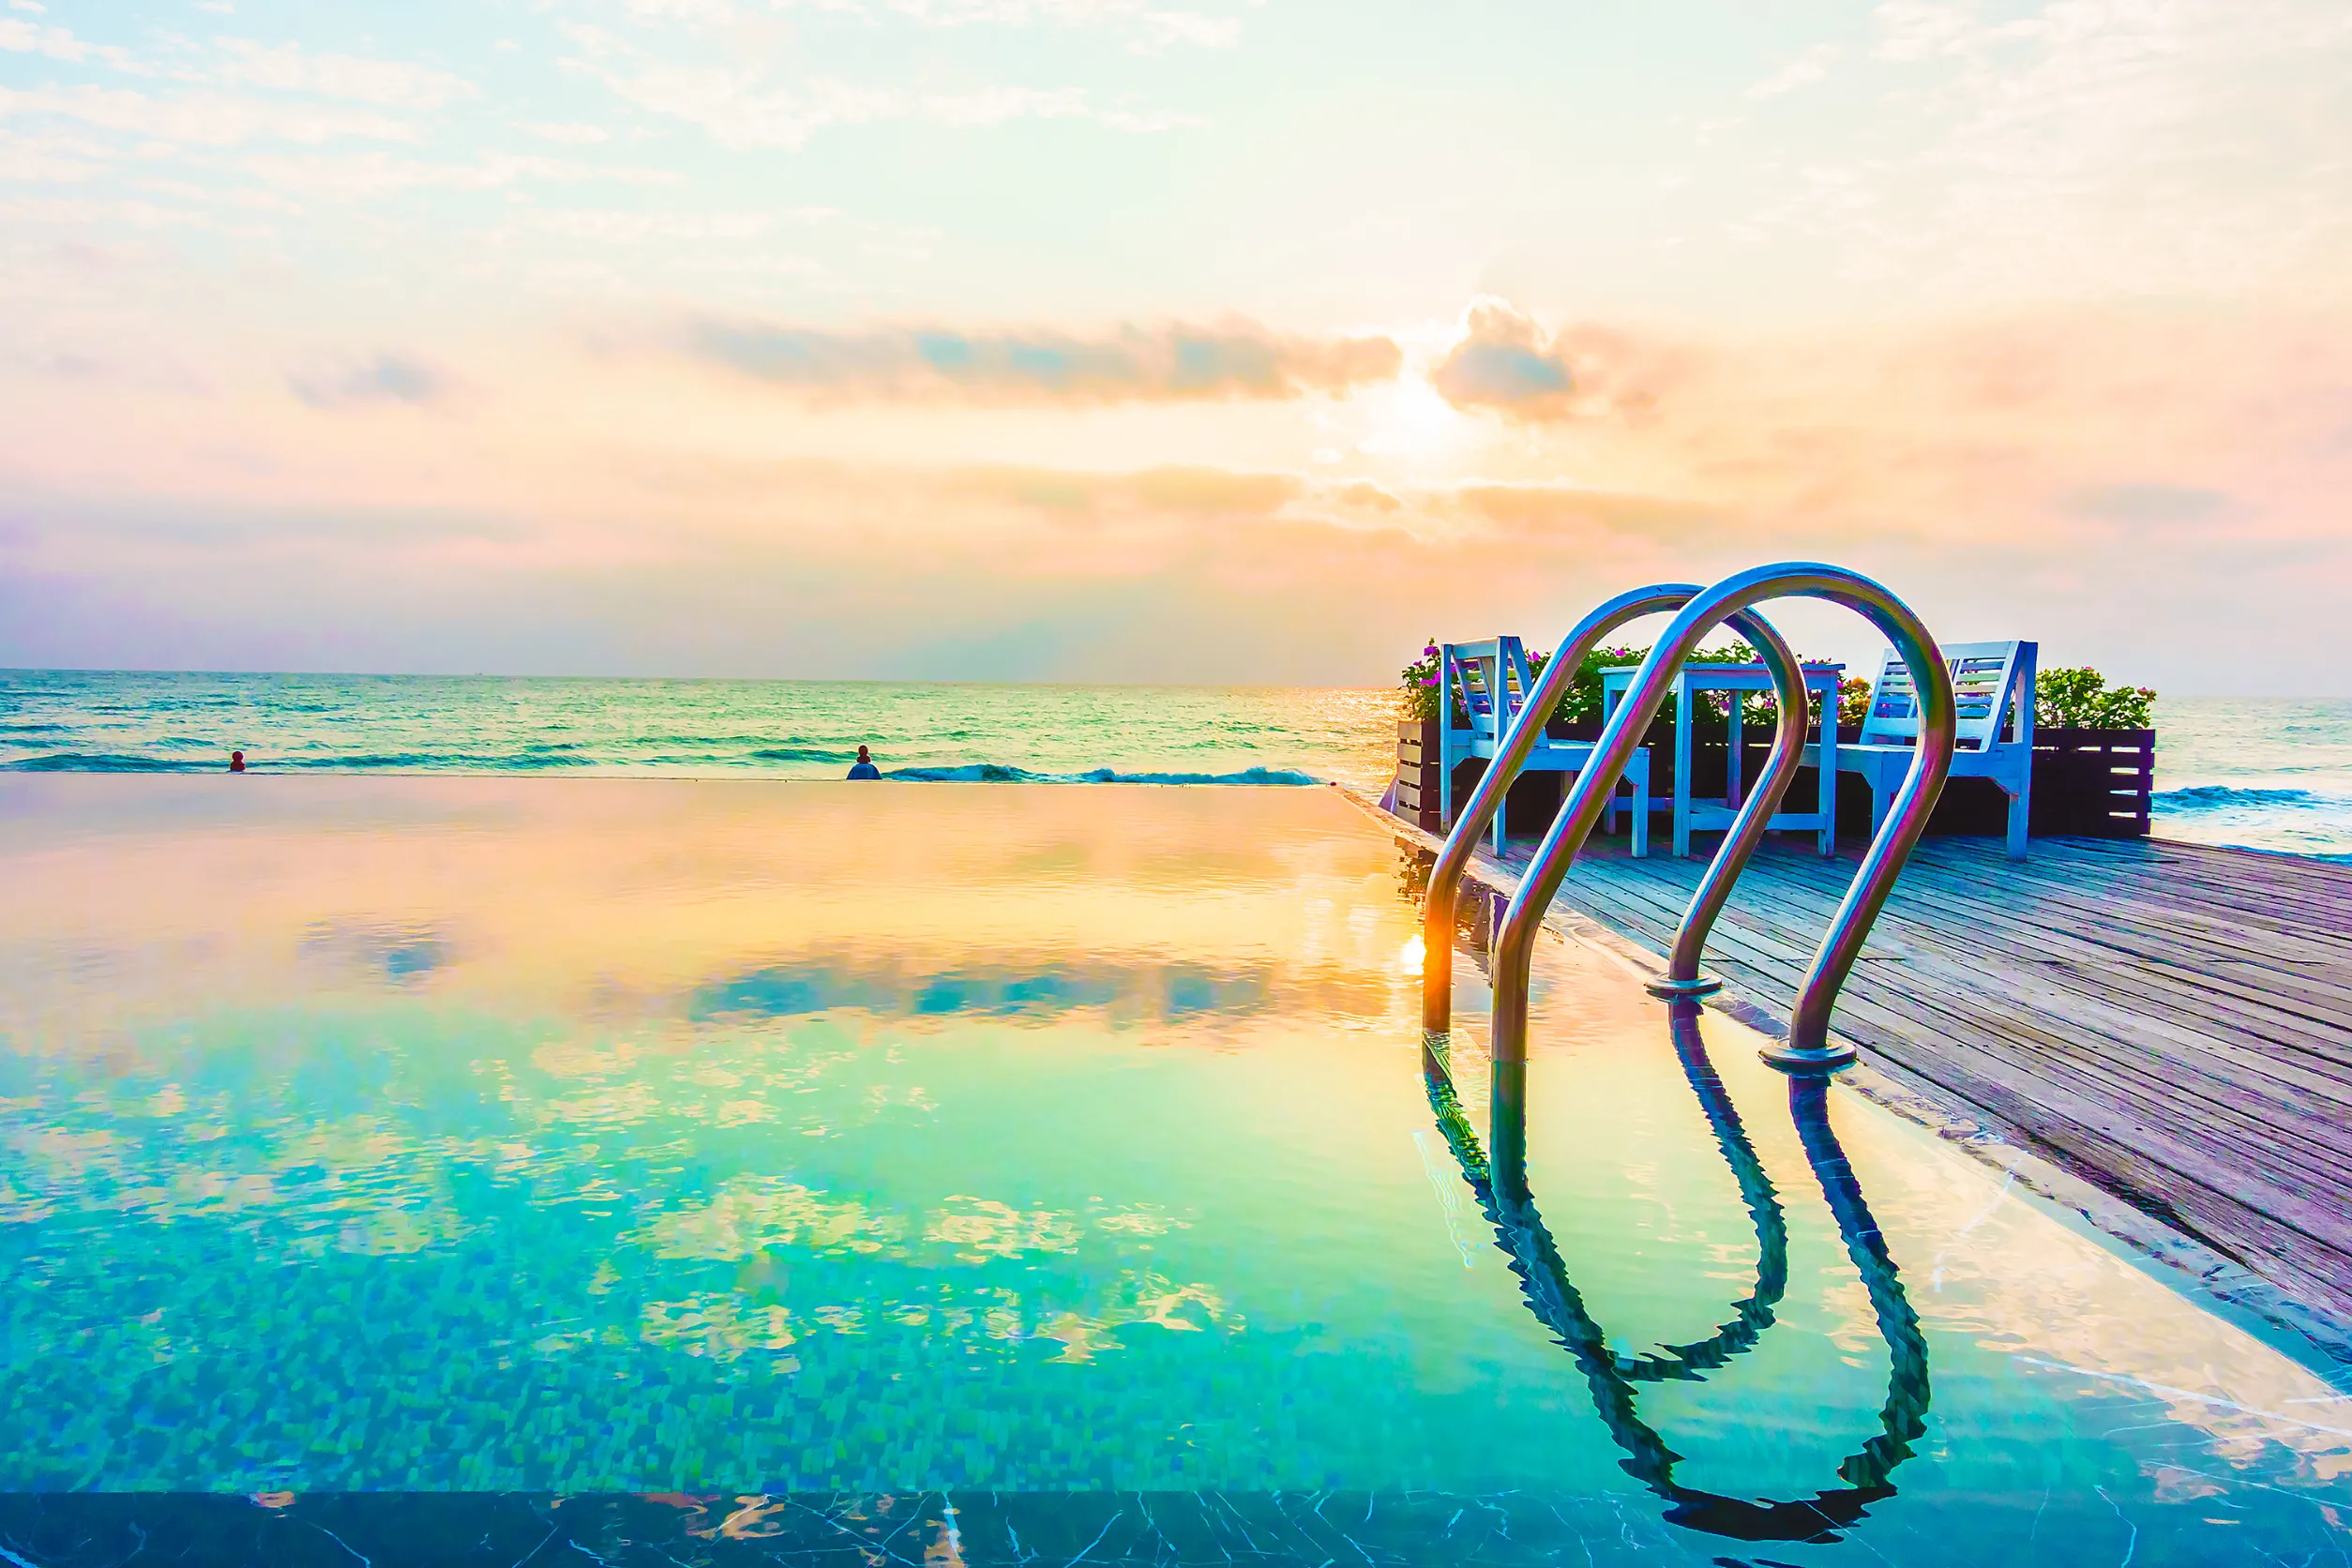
column 804, row 754
column 2226, row 797
column 994, row 773
column 535, row 761
column 105, row 762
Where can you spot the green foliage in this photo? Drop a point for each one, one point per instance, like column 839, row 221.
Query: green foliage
column 1582, row 700
column 1853, row 701
column 1421, row 680
column 2079, row 699
column 2082, row 700
column 1417, row 698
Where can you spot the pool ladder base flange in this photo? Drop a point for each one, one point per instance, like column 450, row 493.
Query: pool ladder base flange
column 1677, row 990
column 1802, row 1060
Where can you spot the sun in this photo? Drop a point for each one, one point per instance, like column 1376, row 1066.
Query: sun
column 1407, row 420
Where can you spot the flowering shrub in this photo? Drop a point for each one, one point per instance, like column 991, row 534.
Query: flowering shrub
column 1418, row 696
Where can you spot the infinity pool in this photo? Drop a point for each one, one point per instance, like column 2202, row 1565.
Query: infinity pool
column 966, row 1173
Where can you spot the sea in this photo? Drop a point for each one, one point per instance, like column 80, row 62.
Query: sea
column 2263, row 772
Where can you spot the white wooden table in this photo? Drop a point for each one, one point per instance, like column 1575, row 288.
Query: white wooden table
column 1736, row 680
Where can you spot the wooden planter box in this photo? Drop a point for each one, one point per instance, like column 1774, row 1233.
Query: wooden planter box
column 1417, row 785
column 2099, row 781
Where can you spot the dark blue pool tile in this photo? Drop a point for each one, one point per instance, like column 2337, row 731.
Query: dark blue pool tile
column 925, row 1529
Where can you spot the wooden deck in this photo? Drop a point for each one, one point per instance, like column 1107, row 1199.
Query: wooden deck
column 2170, row 1021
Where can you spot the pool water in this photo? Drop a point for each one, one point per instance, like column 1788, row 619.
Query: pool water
column 947, row 1152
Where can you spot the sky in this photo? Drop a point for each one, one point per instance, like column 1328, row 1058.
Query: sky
column 1165, row 340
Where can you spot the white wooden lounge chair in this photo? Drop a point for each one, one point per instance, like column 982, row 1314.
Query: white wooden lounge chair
column 1490, row 681
column 1990, row 681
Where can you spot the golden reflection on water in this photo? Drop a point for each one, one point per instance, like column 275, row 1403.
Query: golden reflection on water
column 618, row 899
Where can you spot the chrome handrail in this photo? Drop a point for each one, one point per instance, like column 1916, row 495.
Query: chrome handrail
column 1755, row 817
column 1808, row 1046
column 1470, row 822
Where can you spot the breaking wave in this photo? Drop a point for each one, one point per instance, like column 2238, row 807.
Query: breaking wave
column 2225, row 797
column 105, row 762
column 993, row 773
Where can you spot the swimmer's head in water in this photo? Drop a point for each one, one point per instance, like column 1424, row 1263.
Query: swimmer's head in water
column 863, row 756
column 236, row 762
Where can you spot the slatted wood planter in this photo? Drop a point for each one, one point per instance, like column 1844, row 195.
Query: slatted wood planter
column 1417, row 785
column 2086, row 784
column 2097, row 782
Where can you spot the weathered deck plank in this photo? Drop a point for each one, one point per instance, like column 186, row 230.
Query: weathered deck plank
column 2172, row 1020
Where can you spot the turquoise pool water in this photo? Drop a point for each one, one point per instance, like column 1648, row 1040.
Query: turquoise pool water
column 744, row 1142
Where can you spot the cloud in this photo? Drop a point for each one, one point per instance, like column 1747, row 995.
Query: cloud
column 727, row 102
column 56, row 43
column 200, row 118
column 1912, row 30
column 992, row 106
column 29, row 160
column 1166, row 364
column 570, row 134
column 1213, row 490
column 389, row 378
column 1536, row 514
column 1163, row 28
column 2102, row 147
column 639, row 227
column 1805, row 70
column 2147, row 503
column 354, row 176
column 704, row 12
column 1158, row 28
column 1505, row 362
column 1144, row 502
column 737, row 106
column 386, row 83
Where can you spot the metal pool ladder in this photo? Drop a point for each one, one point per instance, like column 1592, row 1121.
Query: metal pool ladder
column 1614, row 1378
column 1809, row 1047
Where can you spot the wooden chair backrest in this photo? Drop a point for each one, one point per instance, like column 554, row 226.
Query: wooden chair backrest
column 1469, row 674
column 1987, row 680
column 1519, row 678
column 1485, row 676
